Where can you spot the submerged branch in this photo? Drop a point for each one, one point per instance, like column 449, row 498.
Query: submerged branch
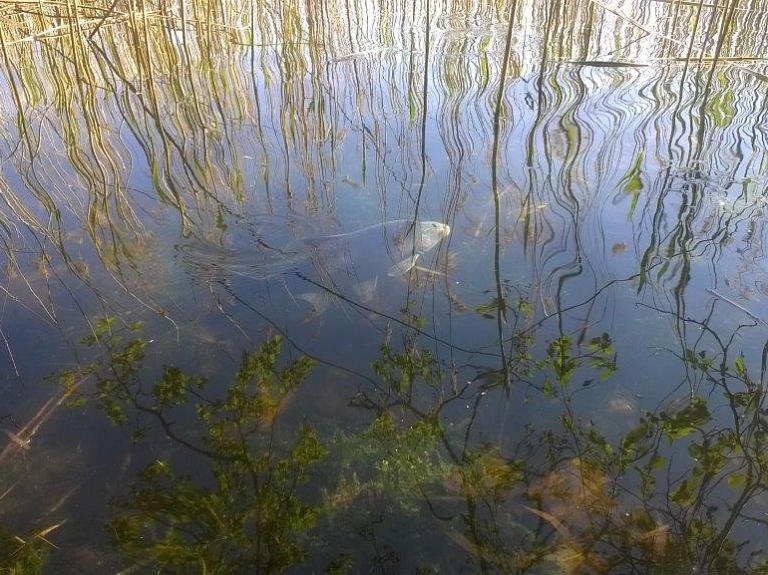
column 21, row 440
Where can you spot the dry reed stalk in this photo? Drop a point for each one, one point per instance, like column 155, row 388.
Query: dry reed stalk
column 20, row 441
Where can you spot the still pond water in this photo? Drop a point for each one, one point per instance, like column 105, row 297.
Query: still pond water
column 371, row 288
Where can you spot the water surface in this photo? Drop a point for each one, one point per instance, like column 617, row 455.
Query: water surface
column 571, row 381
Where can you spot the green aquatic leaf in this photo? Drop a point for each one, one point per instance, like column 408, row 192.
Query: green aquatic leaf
column 173, row 386
column 490, row 309
column 656, row 462
column 101, row 327
column 250, row 515
column 710, row 458
column 737, row 480
column 741, row 368
column 561, row 360
column 603, row 356
column 390, row 458
column 524, row 306
column 603, row 343
column 632, row 442
column 687, row 420
column 26, row 555
column 684, row 493
column 401, row 370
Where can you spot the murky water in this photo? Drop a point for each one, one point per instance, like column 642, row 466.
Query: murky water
column 207, row 367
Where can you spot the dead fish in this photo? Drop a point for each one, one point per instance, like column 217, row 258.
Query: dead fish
column 259, row 247
column 354, row 262
column 347, row 265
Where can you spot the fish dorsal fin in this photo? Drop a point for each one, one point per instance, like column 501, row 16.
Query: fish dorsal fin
column 403, row 267
column 318, row 300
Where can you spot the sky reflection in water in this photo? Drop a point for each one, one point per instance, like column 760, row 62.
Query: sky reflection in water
column 196, row 378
